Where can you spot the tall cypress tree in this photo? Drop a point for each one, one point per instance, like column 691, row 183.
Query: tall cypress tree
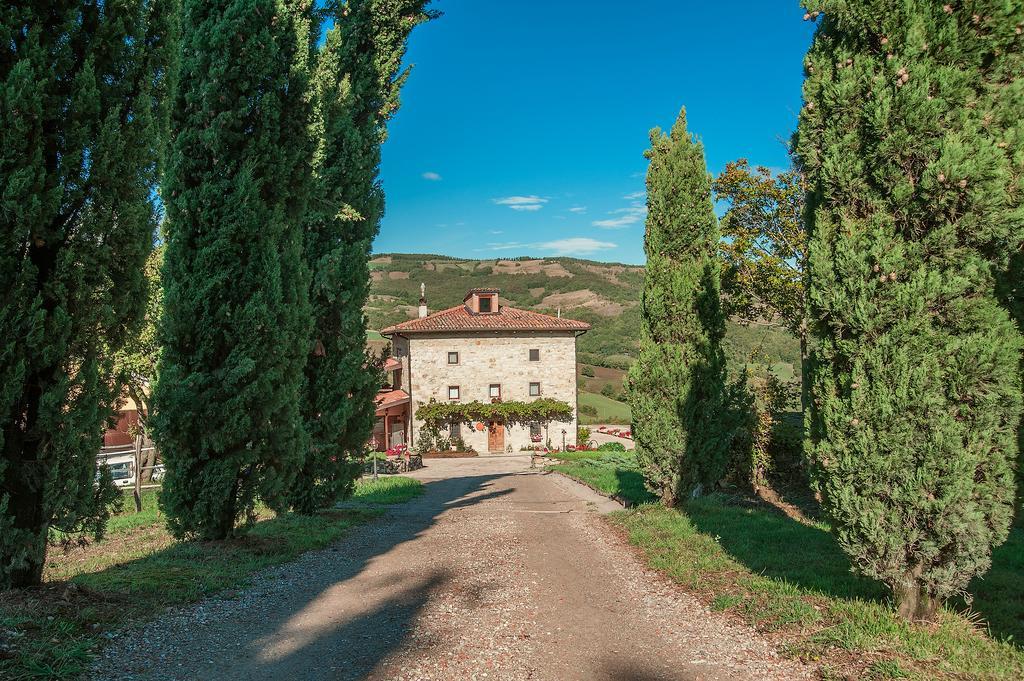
column 236, row 321
column 910, row 140
column 677, row 385
column 84, row 89
column 356, row 88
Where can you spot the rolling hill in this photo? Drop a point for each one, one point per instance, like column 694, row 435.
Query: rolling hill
column 606, row 295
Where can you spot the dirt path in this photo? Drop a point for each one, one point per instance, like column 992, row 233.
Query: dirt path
column 497, row 572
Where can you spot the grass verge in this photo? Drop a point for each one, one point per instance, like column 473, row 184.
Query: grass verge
column 614, row 474
column 394, row 489
column 53, row 632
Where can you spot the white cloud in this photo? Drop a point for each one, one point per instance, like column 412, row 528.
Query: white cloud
column 578, row 209
column 636, row 209
column 506, row 246
column 576, row 246
column 522, row 203
column 617, row 223
column 432, row 176
column 497, row 231
column 629, row 216
column 635, row 196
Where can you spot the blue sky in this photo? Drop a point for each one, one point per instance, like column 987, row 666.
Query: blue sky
column 523, row 126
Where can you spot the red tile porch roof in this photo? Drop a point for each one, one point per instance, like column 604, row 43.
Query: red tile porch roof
column 390, row 398
column 460, row 318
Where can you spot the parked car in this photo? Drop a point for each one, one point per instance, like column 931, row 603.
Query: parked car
column 122, row 468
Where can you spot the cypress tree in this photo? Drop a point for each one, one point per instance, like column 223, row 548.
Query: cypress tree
column 356, row 86
column 677, row 385
column 910, row 141
column 83, row 117
column 236, row 322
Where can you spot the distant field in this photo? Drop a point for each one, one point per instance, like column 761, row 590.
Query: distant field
column 784, row 371
column 602, row 376
column 608, row 410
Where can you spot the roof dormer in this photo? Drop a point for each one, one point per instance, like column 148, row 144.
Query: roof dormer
column 482, row 300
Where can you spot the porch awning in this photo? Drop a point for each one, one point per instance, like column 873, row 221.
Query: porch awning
column 390, row 399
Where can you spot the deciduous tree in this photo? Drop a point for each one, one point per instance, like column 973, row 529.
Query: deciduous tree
column 135, row 363
column 677, row 385
column 764, row 247
column 764, row 244
column 236, row 320
column 909, row 140
column 83, row 116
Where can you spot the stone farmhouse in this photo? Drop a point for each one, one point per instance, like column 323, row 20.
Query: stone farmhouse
column 481, row 351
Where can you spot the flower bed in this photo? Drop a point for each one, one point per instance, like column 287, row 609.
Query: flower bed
column 398, row 459
column 625, row 433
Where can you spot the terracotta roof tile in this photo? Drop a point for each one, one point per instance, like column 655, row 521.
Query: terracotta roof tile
column 390, row 398
column 459, row 318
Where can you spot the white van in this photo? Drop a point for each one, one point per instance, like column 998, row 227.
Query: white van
column 121, row 465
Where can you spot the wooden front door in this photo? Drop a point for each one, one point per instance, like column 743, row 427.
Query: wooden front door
column 495, row 437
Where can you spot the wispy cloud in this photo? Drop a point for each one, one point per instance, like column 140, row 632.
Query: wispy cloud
column 578, row 209
column 506, row 246
column 576, row 246
column 635, row 196
column 432, row 176
column 617, row 223
column 627, row 216
column 571, row 246
column 522, row 203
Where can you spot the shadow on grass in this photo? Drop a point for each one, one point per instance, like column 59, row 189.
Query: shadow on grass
column 632, row 487
column 773, row 545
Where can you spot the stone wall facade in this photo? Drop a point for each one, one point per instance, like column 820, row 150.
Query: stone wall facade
column 486, row 359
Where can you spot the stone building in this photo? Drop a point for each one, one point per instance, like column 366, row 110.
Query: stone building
column 481, row 351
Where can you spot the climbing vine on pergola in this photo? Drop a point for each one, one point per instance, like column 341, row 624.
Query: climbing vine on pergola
column 437, row 414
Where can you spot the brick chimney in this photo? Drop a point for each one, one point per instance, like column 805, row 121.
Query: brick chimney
column 423, row 301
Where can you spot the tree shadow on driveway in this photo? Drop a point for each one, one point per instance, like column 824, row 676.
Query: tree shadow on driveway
column 334, row 613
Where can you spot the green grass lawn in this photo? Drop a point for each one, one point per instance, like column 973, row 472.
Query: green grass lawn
column 139, row 569
column 612, row 473
column 608, row 410
column 394, row 489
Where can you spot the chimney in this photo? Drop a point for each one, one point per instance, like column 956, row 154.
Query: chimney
column 423, row 301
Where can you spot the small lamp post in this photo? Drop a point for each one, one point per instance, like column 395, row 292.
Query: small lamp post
column 563, row 439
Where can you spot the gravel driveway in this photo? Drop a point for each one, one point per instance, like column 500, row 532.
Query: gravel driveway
column 496, row 572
